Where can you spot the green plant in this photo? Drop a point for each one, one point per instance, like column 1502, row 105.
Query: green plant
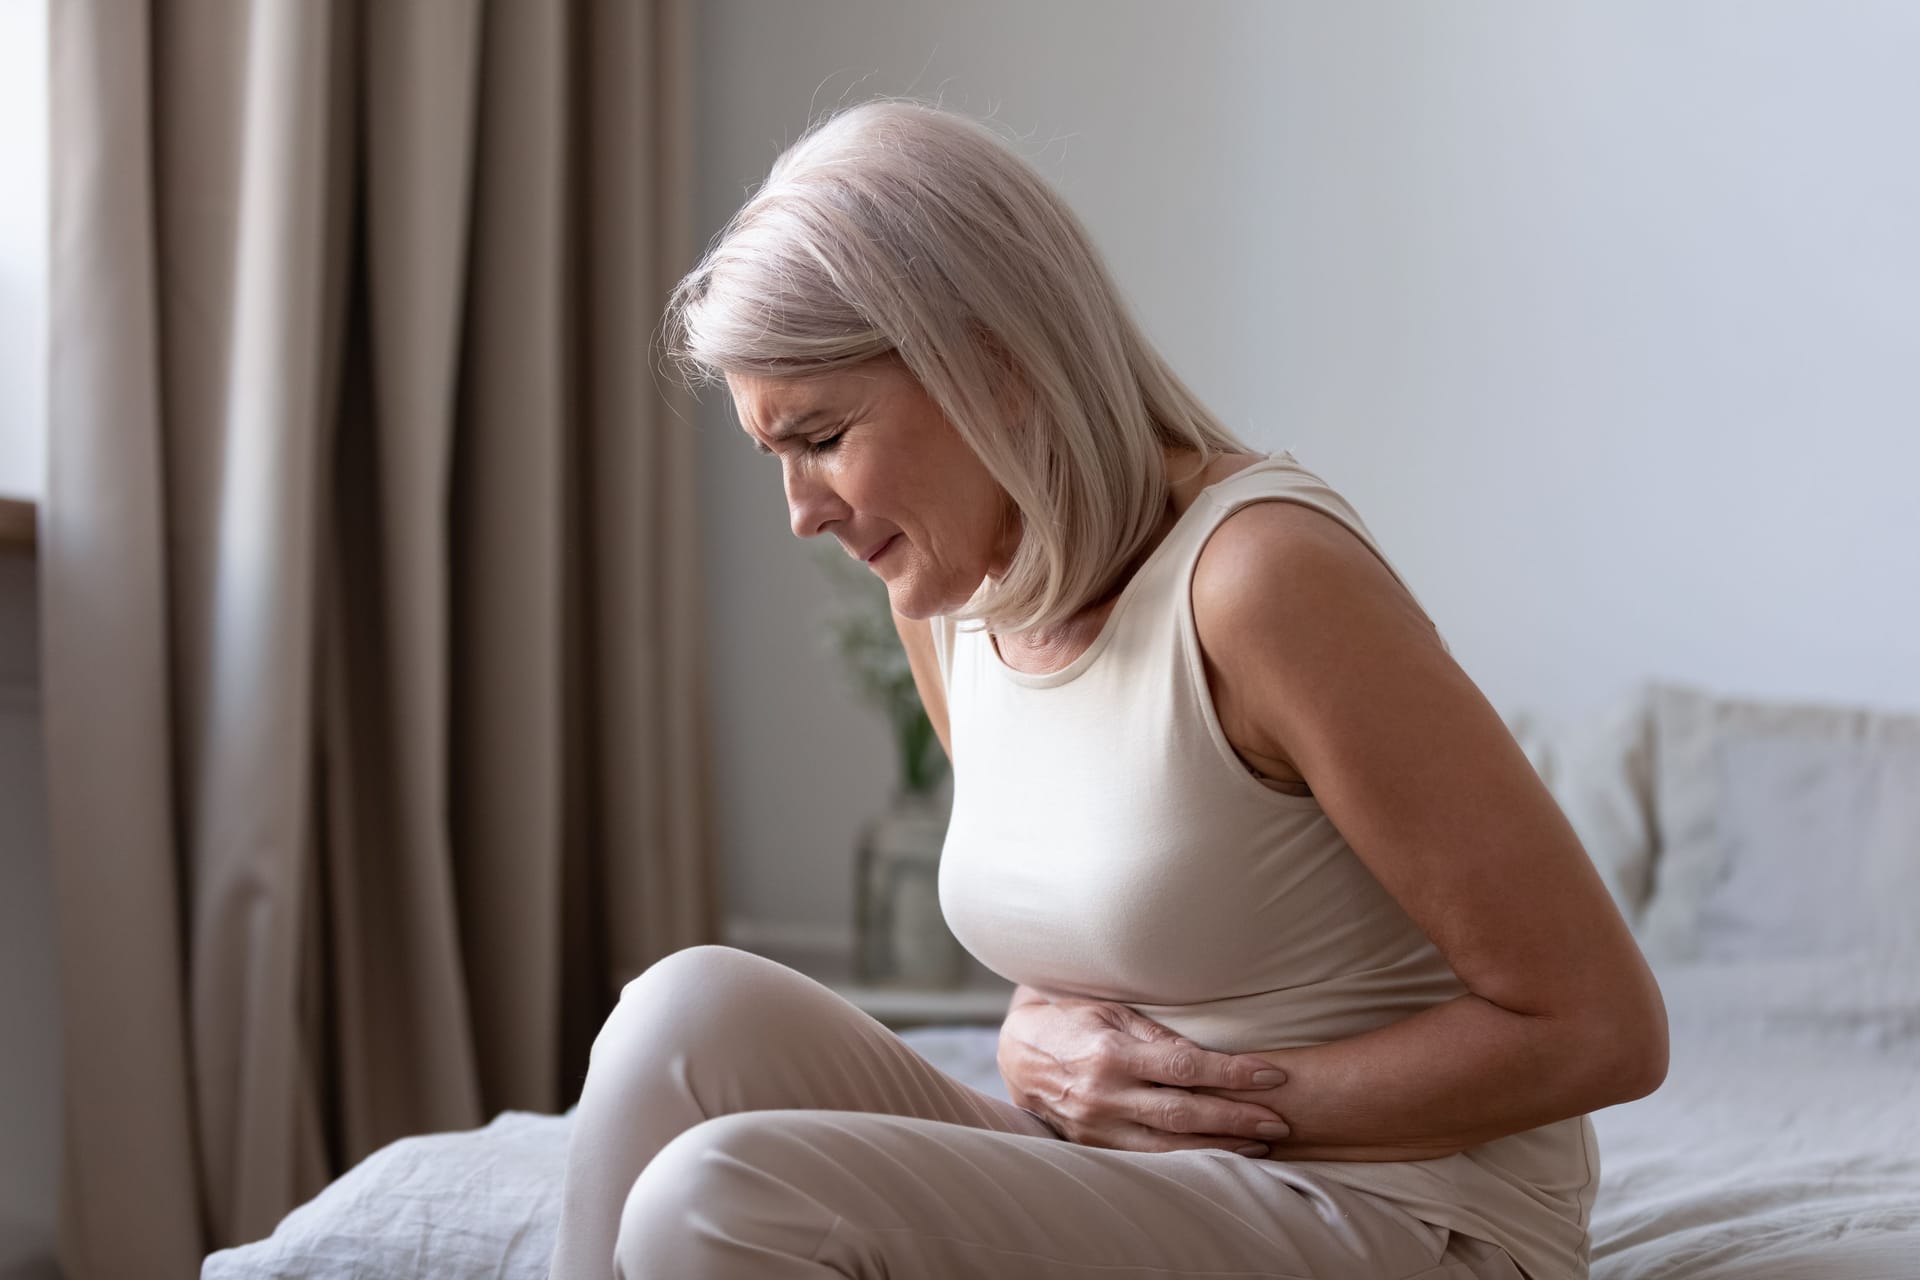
column 860, row 632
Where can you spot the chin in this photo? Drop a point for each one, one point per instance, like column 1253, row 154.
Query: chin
column 909, row 603
column 907, row 607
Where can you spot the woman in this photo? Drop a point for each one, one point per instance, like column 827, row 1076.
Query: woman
column 1316, row 978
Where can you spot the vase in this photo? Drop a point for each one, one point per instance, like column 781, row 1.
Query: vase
column 903, row 939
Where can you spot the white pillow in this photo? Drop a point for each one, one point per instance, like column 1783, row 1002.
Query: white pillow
column 1784, row 828
column 1603, row 780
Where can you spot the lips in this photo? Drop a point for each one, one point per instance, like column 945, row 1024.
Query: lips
column 869, row 557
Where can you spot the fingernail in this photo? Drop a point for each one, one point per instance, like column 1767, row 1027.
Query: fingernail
column 1269, row 1076
column 1271, row 1129
column 1253, row 1149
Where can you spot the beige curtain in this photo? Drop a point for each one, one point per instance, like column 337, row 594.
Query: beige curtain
column 372, row 666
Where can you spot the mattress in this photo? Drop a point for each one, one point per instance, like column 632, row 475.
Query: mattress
column 1784, row 1144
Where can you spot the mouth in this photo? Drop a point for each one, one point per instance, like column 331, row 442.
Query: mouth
column 880, row 550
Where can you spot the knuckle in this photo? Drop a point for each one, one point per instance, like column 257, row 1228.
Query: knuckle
column 1089, row 1064
column 1182, row 1066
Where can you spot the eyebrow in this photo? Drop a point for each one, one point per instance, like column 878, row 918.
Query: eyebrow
column 788, row 426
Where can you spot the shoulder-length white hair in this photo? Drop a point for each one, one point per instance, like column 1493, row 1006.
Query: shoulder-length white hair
column 893, row 226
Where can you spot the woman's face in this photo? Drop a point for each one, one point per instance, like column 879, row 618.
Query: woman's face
column 867, row 456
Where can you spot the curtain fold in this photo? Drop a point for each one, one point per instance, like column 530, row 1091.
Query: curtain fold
column 376, row 760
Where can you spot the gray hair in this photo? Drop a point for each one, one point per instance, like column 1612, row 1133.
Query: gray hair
column 897, row 227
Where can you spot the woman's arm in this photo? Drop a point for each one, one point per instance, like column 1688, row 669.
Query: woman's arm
column 1442, row 1080
column 916, row 638
column 1317, row 656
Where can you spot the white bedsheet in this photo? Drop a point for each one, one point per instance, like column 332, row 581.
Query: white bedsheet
column 1785, row 1145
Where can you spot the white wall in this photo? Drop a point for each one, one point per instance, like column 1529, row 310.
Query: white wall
column 1601, row 314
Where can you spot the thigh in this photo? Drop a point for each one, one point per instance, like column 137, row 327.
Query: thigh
column 713, row 1031
column 787, row 1194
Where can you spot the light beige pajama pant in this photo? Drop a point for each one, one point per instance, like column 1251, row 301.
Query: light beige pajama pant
column 740, row 1121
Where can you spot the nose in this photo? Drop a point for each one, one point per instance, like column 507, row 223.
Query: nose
column 811, row 503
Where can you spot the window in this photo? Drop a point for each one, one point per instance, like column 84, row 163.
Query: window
column 23, row 248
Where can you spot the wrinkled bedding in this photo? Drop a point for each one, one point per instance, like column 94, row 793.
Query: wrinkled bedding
column 1785, row 1145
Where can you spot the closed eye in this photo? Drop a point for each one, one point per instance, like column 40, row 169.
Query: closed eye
column 818, row 446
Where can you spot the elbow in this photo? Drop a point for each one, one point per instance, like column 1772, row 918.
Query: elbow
column 1621, row 1042
column 1655, row 1064
column 1630, row 1054
column 1642, row 1071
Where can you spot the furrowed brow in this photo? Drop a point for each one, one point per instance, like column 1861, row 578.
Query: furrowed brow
column 788, row 427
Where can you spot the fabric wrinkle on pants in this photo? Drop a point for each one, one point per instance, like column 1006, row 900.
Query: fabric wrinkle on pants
column 740, row 1119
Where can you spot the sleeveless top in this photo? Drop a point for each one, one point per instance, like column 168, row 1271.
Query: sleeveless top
column 1106, row 841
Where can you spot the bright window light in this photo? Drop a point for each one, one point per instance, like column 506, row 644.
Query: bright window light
column 23, row 248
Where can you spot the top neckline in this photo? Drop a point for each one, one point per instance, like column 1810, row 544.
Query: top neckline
column 1085, row 658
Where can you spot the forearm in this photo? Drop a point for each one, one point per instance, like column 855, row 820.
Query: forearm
column 1447, row 1078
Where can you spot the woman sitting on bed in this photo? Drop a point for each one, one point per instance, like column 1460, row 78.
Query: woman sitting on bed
column 1315, row 978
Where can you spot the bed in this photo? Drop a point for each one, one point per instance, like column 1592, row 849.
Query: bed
column 1768, row 855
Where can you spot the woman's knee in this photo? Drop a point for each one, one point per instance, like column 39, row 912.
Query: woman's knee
column 730, row 1182
column 694, row 999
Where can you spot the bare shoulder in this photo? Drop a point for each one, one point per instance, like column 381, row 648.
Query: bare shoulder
column 1274, row 562
column 1284, row 590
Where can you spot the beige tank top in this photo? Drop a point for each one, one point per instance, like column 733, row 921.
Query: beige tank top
column 1106, row 840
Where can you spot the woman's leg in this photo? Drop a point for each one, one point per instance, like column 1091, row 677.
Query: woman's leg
column 714, row 1031
column 741, row 1120
column 817, row 1195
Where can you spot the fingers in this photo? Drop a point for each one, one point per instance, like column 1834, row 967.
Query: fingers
column 1175, row 1111
column 1182, row 1062
column 1143, row 1027
column 1133, row 1137
column 1110, row 1077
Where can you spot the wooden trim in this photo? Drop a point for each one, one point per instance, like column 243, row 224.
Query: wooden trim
column 18, row 519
